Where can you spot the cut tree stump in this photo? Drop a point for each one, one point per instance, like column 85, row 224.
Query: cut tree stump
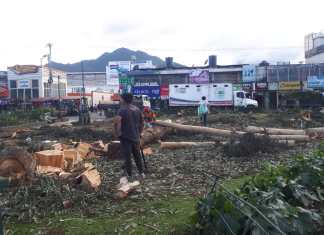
column 52, row 158
column 17, row 163
column 274, row 131
column 178, row 145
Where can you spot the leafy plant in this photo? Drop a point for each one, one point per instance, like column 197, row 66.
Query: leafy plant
column 280, row 200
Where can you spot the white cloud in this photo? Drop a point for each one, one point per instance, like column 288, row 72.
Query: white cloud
column 187, row 30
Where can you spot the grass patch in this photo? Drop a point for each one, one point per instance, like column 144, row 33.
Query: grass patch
column 163, row 216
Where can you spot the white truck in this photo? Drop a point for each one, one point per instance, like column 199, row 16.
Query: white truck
column 217, row 94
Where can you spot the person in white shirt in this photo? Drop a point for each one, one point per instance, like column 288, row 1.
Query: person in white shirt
column 203, row 110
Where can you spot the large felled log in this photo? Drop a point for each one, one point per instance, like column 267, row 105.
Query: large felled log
column 317, row 130
column 177, row 145
column 199, row 129
column 274, row 131
column 298, row 138
column 287, row 142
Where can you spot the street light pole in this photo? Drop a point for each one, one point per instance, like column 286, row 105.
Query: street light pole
column 49, row 57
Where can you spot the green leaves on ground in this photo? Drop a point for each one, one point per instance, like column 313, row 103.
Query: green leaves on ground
column 280, row 200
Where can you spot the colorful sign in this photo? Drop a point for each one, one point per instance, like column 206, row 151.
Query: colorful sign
column 164, row 92
column 249, row 73
column 315, row 82
column 289, row 86
column 199, row 77
column 150, row 91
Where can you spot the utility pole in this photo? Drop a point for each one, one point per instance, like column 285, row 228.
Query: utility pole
column 49, row 57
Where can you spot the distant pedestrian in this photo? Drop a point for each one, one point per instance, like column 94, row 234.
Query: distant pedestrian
column 128, row 127
column 203, row 110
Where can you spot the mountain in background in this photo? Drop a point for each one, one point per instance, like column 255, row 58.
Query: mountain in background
column 99, row 64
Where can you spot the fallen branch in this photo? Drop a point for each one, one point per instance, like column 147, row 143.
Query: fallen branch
column 297, row 138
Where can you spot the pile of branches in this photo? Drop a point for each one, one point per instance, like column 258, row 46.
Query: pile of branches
column 281, row 200
column 249, row 145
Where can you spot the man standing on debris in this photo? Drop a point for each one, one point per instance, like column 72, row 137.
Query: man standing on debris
column 128, row 126
column 203, row 110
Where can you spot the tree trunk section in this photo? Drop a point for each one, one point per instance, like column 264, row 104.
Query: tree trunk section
column 274, row 131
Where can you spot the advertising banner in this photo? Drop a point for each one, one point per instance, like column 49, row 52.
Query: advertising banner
column 249, row 73
column 164, row 92
column 315, row 82
column 199, row 77
column 289, row 86
column 114, row 69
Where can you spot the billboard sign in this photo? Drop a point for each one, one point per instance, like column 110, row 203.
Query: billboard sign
column 199, row 76
column 114, row 69
column 249, row 73
column 289, row 86
column 315, row 82
column 150, row 91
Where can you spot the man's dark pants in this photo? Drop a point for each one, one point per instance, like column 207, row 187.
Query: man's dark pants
column 127, row 149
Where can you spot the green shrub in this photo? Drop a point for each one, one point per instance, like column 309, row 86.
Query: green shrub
column 280, row 200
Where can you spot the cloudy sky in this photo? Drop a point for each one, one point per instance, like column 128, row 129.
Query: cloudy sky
column 189, row 30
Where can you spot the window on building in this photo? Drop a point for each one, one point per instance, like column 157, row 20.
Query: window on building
column 13, row 84
column 21, row 94
column 34, row 83
column 13, row 94
column 35, row 93
column 27, row 94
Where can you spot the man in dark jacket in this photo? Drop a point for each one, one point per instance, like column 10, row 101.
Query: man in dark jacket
column 128, row 127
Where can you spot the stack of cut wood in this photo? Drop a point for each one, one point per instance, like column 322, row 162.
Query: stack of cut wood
column 67, row 163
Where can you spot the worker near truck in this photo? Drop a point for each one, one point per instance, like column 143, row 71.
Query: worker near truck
column 203, row 110
column 128, row 127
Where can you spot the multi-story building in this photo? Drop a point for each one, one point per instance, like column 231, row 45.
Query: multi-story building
column 314, row 48
column 27, row 82
column 93, row 81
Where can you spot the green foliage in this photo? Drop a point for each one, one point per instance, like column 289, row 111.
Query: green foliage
column 8, row 118
column 280, row 200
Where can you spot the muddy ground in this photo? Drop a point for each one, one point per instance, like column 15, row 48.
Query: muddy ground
column 180, row 172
